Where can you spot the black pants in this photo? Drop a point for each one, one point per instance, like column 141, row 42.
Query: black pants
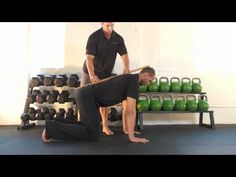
column 89, row 127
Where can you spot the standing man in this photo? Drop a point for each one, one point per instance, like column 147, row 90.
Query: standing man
column 101, row 51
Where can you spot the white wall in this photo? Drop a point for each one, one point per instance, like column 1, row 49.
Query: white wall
column 174, row 49
column 204, row 50
column 14, row 70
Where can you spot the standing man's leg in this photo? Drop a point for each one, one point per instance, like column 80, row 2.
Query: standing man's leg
column 105, row 128
column 103, row 110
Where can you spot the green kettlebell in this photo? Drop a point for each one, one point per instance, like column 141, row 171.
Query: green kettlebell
column 155, row 103
column 175, row 85
column 191, row 103
column 164, row 84
column 202, row 103
column 142, row 88
column 143, row 103
column 153, row 86
column 196, row 85
column 180, row 103
column 168, row 103
column 186, row 85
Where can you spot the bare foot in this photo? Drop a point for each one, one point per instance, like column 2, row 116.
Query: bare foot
column 44, row 139
column 107, row 131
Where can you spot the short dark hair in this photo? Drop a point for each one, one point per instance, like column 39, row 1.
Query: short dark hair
column 148, row 70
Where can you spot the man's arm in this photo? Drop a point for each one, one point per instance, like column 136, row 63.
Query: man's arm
column 125, row 59
column 90, row 66
column 131, row 117
column 124, row 118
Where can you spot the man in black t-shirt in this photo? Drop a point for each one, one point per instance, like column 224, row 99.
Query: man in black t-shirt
column 90, row 98
column 101, row 51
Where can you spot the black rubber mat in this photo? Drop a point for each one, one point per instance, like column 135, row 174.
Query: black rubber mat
column 164, row 140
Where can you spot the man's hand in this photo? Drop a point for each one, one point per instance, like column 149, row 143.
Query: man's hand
column 94, row 78
column 134, row 139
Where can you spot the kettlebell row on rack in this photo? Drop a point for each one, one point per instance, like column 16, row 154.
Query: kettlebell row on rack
column 186, row 85
column 55, row 80
column 167, row 103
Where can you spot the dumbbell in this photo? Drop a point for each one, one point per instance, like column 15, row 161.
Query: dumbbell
column 52, row 97
column 36, row 92
column 75, row 75
column 60, row 80
column 112, row 114
column 64, row 76
column 44, row 110
column 73, row 80
column 31, row 98
column 41, row 76
column 36, row 81
column 60, row 114
column 63, row 97
column 49, row 79
column 25, row 117
column 50, row 114
column 78, row 83
column 70, row 114
column 39, row 115
column 42, row 97
column 32, row 113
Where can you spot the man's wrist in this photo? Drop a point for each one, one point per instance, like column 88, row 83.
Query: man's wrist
column 91, row 74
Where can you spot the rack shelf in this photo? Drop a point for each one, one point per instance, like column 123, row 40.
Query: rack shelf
column 139, row 116
column 69, row 103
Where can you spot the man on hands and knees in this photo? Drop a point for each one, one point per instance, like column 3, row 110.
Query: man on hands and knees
column 90, row 98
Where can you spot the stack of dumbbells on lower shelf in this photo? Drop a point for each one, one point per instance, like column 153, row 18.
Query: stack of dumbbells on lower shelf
column 50, row 97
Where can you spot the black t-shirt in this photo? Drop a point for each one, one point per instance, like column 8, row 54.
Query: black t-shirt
column 116, row 90
column 105, row 52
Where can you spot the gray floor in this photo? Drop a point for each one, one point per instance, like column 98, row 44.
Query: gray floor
column 164, row 140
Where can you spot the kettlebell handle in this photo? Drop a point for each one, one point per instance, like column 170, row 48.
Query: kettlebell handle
column 202, row 97
column 167, row 96
column 185, row 78
column 164, row 78
column 155, row 95
column 196, row 78
column 144, row 95
column 190, row 96
column 182, row 97
column 155, row 79
column 174, row 78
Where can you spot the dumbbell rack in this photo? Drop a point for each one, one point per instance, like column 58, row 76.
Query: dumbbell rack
column 139, row 120
column 27, row 124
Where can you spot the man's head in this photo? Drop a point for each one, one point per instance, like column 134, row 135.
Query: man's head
column 146, row 75
column 108, row 27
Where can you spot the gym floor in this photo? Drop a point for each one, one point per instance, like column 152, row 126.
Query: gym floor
column 164, row 140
